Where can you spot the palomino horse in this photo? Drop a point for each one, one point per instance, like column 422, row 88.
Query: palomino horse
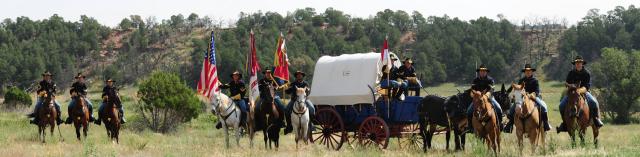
column 111, row 118
column 80, row 115
column 527, row 117
column 484, row 120
column 47, row 117
column 228, row 114
column 576, row 115
column 300, row 117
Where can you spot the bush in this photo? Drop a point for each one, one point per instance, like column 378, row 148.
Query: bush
column 15, row 98
column 618, row 80
column 166, row 102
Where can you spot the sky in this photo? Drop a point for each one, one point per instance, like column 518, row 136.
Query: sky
column 111, row 12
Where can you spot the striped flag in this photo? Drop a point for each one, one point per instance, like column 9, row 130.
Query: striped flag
column 281, row 61
column 208, row 84
column 253, row 67
column 203, row 73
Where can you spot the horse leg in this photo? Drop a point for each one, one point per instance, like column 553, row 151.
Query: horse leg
column 226, row 136
column 448, row 134
column 581, row 135
column 596, row 132
column 85, row 129
column 238, row 135
column 77, row 126
column 266, row 138
column 520, row 135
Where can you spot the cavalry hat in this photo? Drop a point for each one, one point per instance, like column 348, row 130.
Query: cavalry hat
column 408, row 60
column 578, row 59
column 47, row 73
column 267, row 70
column 79, row 75
column 301, row 73
column 483, row 68
column 236, row 73
column 528, row 67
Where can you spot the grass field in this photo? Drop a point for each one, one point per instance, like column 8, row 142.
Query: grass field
column 199, row 138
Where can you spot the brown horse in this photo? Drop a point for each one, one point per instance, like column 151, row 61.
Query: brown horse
column 484, row 120
column 111, row 118
column 47, row 116
column 576, row 115
column 80, row 115
column 526, row 117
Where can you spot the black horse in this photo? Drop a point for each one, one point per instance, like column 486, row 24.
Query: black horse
column 269, row 118
column 450, row 113
column 502, row 97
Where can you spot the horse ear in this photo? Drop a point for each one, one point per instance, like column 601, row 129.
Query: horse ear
column 502, row 90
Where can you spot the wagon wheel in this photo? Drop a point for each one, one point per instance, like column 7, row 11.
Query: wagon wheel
column 373, row 132
column 329, row 129
column 411, row 138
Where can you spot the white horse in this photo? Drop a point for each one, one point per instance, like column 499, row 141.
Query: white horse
column 228, row 114
column 300, row 117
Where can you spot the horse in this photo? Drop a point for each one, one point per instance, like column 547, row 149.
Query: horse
column 526, row 117
column 446, row 112
column 300, row 117
column 576, row 115
column 47, row 117
column 80, row 115
column 484, row 120
column 111, row 118
column 266, row 117
column 432, row 114
column 229, row 115
column 502, row 97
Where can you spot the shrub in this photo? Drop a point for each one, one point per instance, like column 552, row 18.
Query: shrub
column 16, row 98
column 166, row 102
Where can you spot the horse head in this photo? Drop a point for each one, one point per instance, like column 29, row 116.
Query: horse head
column 481, row 104
column 301, row 94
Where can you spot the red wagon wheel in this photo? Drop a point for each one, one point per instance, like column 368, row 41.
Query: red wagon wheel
column 373, row 132
column 329, row 129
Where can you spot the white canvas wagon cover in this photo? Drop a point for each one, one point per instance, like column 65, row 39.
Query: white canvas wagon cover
column 345, row 79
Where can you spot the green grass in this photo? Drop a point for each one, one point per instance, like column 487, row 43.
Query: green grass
column 199, row 138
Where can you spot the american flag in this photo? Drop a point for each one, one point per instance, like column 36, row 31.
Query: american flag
column 208, row 84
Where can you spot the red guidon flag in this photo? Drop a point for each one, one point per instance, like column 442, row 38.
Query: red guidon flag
column 385, row 55
column 253, row 68
column 281, row 61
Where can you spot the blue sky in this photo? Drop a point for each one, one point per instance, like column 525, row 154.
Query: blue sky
column 110, row 12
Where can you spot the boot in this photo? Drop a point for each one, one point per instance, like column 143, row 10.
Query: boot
column 33, row 121
column 97, row 121
column 598, row 122
column 68, row 121
column 122, row 120
column 58, row 119
column 219, row 125
column 289, row 127
column 509, row 127
column 561, row 128
column 91, row 119
column 545, row 121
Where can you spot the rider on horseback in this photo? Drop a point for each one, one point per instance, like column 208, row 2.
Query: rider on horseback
column 79, row 87
column 269, row 82
column 407, row 71
column 110, row 92
column 299, row 83
column 484, row 83
column 46, row 86
column 237, row 91
column 531, row 85
column 581, row 77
